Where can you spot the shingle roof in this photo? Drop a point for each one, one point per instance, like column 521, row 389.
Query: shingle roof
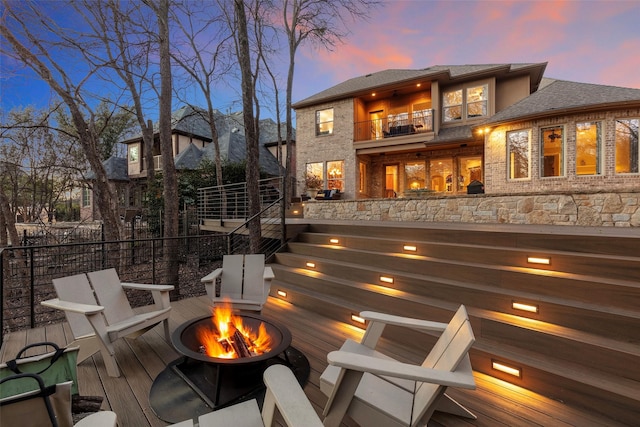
column 562, row 95
column 189, row 158
column 395, row 76
column 115, row 168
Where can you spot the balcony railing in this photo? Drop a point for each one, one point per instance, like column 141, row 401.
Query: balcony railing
column 393, row 126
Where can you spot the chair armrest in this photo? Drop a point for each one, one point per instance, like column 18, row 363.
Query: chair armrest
column 391, row 368
column 212, row 276
column 285, row 393
column 268, row 274
column 148, row 287
column 409, row 322
column 74, row 307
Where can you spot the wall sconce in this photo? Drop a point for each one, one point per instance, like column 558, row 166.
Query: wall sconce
column 524, row 307
column 296, row 212
column 410, row 248
column 358, row 319
column 538, row 260
column 503, row 367
column 282, row 294
column 386, row 279
column 334, row 241
column 311, row 265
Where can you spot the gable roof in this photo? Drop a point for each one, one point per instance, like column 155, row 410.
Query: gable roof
column 561, row 96
column 444, row 73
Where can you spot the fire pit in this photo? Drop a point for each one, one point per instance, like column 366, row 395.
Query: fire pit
column 224, row 357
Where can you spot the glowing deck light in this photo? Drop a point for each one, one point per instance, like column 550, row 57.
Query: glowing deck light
column 502, row 367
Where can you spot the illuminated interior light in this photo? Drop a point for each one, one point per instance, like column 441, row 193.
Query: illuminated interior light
column 419, row 84
column 538, row 260
column 358, row 319
column 524, row 307
column 296, row 212
column 334, row 241
column 282, row 294
column 411, row 248
column 502, row 367
column 386, row 279
column 311, row 264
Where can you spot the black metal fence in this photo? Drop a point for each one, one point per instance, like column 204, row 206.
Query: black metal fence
column 27, row 271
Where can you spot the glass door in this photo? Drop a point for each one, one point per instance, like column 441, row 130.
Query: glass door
column 391, row 181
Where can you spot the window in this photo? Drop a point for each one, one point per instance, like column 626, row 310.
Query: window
column 335, row 175
column 134, row 153
column 441, row 174
column 362, row 166
column 518, row 153
column 315, row 176
column 452, row 104
column 423, row 117
column 552, row 152
column 588, row 136
column 627, row 150
column 470, row 103
column 324, row 122
column 469, row 170
column 86, row 197
column 415, row 176
column 477, row 101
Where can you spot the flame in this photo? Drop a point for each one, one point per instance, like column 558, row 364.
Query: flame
column 216, row 341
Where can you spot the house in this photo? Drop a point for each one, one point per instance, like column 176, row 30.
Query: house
column 501, row 128
column 192, row 144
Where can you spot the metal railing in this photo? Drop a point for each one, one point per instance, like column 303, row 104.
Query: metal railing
column 398, row 125
column 27, row 272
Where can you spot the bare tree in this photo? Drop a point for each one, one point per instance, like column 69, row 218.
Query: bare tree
column 29, row 44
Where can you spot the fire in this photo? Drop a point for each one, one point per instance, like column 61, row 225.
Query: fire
column 229, row 338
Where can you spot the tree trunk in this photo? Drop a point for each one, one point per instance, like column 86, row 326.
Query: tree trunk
column 253, row 167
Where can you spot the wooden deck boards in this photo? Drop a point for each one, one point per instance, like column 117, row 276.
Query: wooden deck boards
column 496, row 403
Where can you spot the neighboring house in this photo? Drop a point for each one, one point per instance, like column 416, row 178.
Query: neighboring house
column 397, row 133
column 116, row 170
column 192, row 144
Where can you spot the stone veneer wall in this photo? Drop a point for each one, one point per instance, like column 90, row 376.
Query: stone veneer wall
column 578, row 209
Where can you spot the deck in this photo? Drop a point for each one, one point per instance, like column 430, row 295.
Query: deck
column 496, row 403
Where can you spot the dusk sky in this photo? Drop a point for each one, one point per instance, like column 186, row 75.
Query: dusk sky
column 585, row 41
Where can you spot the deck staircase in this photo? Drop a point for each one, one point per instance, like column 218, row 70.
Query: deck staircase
column 579, row 345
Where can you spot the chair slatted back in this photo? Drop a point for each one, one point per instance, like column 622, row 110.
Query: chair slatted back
column 111, row 295
column 76, row 289
column 253, row 277
column 231, row 281
column 450, row 349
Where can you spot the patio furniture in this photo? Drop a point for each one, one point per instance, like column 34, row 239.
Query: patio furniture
column 45, row 406
column 244, row 282
column 375, row 389
column 98, row 320
column 283, row 392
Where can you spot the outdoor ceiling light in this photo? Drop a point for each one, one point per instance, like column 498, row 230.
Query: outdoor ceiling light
column 334, row 241
column 358, row 319
column 282, row 294
column 503, row 367
column 410, row 248
column 524, row 307
column 386, row 279
column 311, row 264
column 538, row 260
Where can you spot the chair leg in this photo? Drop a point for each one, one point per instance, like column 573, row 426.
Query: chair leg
column 450, row 406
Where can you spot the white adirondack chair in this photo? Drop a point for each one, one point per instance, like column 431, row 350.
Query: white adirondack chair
column 283, row 393
column 98, row 319
column 244, row 282
column 375, row 389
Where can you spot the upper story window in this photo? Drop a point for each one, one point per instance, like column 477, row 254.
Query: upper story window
column 627, row 149
column 552, row 151
column 134, row 153
column 86, row 197
column 518, row 154
column 588, row 148
column 465, row 103
column 324, row 122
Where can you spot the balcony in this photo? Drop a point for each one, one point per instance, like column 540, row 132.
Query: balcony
column 394, row 126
